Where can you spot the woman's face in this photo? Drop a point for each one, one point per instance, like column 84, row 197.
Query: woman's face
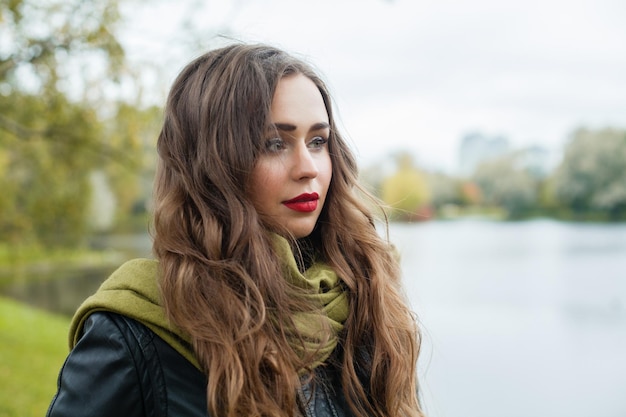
column 291, row 177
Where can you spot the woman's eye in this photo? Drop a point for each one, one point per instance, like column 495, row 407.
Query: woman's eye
column 318, row 142
column 274, row 145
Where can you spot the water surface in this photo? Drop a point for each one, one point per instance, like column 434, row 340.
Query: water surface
column 520, row 319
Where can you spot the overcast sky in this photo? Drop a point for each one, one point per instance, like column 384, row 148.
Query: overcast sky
column 419, row 74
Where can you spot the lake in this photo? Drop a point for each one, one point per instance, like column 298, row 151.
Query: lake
column 519, row 319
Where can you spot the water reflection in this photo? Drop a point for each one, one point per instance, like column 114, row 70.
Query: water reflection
column 63, row 289
column 59, row 290
column 521, row 318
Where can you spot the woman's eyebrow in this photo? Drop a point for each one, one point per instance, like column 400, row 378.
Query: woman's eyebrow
column 319, row 126
column 288, row 127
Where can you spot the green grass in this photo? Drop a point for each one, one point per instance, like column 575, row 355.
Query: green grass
column 33, row 346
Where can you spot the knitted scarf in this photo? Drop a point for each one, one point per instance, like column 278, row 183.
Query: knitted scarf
column 320, row 285
column 133, row 291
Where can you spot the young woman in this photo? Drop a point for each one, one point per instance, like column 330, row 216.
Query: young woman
column 272, row 294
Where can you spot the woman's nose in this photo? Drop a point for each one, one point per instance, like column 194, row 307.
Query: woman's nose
column 304, row 164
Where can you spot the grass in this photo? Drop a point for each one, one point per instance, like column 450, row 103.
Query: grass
column 33, row 346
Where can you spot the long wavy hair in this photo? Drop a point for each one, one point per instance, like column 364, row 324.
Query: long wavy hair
column 221, row 277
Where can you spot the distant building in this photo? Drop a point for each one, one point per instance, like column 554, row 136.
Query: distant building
column 477, row 148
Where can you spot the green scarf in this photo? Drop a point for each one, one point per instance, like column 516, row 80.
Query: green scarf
column 132, row 290
column 322, row 286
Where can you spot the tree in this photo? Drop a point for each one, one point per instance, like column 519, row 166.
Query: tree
column 444, row 189
column 48, row 39
column 505, row 182
column 135, row 130
column 592, row 175
column 47, row 191
column 55, row 72
column 406, row 191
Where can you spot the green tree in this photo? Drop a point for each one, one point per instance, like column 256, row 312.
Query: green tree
column 48, row 191
column 134, row 129
column 444, row 189
column 406, row 191
column 57, row 62
column 592, row 175
column 47, row 39
column 507, row 183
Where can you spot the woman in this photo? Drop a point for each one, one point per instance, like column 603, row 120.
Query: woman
column 272, row 293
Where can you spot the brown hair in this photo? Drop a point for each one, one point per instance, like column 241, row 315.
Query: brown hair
column 221, row 278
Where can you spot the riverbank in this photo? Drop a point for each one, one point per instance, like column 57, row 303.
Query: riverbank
column 38, row 255
column 33, row 346
column 23, row 264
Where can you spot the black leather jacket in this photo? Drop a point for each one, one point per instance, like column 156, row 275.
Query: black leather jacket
column 121, row 368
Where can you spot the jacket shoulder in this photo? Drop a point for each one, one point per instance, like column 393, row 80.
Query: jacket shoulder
column 99, row 376
column 120, row 367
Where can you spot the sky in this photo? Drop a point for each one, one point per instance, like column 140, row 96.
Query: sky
column 418, row 75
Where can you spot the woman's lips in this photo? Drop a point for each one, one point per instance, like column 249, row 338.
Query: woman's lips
column 304, row 203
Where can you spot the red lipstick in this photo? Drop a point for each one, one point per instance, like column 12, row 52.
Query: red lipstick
column 304, row 203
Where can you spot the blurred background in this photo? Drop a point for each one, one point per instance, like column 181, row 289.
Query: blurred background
column 495, row 130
